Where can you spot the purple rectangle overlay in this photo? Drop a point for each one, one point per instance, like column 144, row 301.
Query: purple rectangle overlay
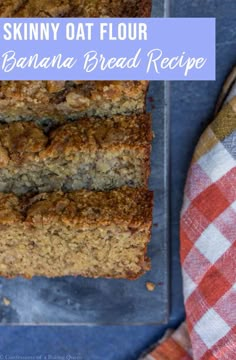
column 107, row 49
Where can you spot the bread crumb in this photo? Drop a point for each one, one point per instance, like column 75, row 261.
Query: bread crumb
column 150, row 286
column 6, row 301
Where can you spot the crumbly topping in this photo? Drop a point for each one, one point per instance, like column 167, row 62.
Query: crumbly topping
column 125, row 206
column 75, row 8
column 93, row 134
column 10, row 211
column 83, row 208
column 75, row 93
column 22, row 142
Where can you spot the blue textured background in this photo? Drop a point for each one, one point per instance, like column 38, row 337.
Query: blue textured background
column 192, row 105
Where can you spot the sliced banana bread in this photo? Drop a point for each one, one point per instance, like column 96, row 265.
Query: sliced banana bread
column 55, row 101
column 89, row 153
column 94, row 234
column 52, row 102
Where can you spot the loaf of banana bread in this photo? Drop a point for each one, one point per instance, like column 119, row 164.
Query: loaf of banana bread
column 52, row 102
column 94, row 234
column 98, row 154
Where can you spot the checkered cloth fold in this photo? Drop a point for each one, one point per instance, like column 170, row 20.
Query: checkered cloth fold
column 208, row 238
column 208, row 255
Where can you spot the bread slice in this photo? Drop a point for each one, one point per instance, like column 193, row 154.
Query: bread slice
column 52, row 102
column 94, row 234
column 75, row 8
column 56, row 101
column 86, row 154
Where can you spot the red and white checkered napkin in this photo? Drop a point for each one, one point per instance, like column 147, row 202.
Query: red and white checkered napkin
column 208, row 238
column 208, row 251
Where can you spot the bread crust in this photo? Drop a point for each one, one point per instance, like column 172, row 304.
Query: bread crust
column 146, row 8
column 91, row 134
column 75, row 8
column 22, row 142
column 125, row 208
column 53, row 102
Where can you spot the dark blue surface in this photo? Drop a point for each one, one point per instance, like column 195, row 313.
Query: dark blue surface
column 192, row 105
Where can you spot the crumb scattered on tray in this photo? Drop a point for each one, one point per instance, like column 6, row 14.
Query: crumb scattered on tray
column 150, row 286
column 6, row 301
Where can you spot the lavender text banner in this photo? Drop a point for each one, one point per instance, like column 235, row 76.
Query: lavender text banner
column 107, row 49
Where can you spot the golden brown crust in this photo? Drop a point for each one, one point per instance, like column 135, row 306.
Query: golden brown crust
column 75, row 8
column 125, row 206
column 74, row 93
column 93, row 134
column 22, row 142
column 59, row 101
column 10, row 210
